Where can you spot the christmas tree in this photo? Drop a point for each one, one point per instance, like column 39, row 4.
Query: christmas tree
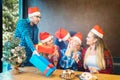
column 12, row 52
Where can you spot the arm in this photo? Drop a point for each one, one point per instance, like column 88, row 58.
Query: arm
column 22, row 31
column 76, row 56
column 17, row 32
column 29, row 42
column 69, row 49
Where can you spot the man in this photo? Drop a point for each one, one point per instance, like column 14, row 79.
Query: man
column 27, row 32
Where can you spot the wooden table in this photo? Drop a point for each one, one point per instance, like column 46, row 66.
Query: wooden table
column 31, row 73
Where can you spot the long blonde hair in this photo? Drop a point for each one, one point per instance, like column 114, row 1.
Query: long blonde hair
column 99, row 50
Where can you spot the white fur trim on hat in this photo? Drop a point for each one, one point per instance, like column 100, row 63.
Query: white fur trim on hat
column 47, row 39
column 66, row 37
column 33, row 14
column 97, row 33
column 76, row 38
column 60, row 40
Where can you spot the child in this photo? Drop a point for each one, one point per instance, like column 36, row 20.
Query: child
column 49, row 50
column 72, row 55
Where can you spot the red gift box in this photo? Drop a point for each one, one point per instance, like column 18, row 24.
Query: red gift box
column 45, row 49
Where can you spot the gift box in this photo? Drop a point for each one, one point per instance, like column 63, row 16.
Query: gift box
column 44, row 49
column 42, row 64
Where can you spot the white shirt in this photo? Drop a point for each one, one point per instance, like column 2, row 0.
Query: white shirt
column 91, row 61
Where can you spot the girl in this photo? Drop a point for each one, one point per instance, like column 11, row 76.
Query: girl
column 72, row 55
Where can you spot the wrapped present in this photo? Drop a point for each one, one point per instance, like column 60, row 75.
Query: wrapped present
column 42, row 64
column 45, row 49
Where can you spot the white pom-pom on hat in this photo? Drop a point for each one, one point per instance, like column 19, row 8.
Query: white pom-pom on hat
column 62, row 34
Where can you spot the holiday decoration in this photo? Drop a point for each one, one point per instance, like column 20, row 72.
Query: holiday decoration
column 12, row 52
column 42, row 64
column 45, row 49
column 62, row 34
column 33, row 11
column 98, row 31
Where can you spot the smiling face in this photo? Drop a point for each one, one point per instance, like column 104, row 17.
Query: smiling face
column 50, row 42
column 36, row 19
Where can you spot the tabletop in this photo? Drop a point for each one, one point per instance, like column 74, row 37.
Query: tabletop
column 32, row 73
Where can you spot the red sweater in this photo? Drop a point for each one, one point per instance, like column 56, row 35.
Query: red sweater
column 108, row 60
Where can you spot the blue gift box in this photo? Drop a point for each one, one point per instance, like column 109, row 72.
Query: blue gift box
column 42, row 64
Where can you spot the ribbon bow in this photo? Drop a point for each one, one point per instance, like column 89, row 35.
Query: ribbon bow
column 48, row 67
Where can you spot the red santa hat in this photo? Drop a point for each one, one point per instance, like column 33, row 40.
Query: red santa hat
column 62, row 34
column 78, row 37
column 32, row 11
column 45, row 37
column 98, row 31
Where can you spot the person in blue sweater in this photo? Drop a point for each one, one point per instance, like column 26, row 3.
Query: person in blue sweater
column 27, row 31
column 72, row 55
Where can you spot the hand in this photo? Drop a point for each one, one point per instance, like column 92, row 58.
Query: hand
column 93, row 70
column 71, row 45
column 75, row 57
column 69, row 49
column 35, row 52
column 56, row 53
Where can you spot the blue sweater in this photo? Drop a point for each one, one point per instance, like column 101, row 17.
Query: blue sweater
column 28, row 36
column 67, row 62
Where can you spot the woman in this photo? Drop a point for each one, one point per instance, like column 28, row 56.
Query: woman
column 97, row 58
